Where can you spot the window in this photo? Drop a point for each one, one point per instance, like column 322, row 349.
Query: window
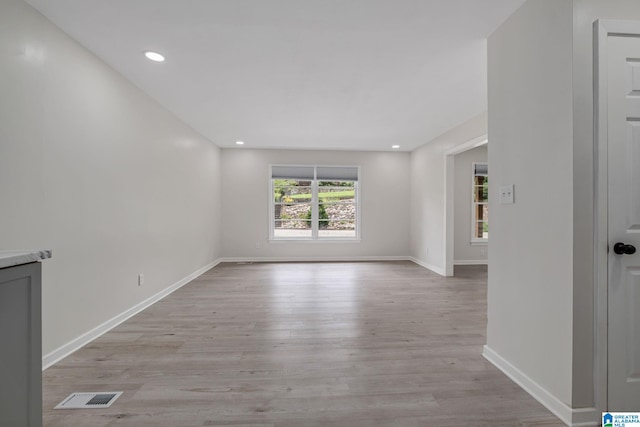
column 480, row 203
column 314, row 203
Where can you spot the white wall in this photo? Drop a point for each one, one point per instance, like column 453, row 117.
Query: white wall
column 95, row 170
column 384, row 193
column 530, row 323
column 428, row 192
column 463, row 251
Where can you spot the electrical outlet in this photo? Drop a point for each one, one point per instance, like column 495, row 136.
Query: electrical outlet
column 257, row 245
column 140, row 279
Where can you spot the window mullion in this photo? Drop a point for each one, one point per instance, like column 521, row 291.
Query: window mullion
column 314, row 209
column 272, row 216
column 357, row 209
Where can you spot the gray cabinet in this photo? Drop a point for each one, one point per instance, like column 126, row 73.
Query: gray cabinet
column 20, row 346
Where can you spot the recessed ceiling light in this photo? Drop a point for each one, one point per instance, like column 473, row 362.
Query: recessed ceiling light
column 395, row 146
column 240, row 142
column 154, row 56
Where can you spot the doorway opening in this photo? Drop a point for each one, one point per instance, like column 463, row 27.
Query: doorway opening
column 466, row 204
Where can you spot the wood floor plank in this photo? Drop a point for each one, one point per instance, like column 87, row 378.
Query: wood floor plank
column 301, row 344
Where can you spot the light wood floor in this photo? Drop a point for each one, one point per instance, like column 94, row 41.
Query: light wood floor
column 302, row 344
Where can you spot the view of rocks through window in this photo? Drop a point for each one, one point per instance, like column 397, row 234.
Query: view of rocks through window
column 340, row 216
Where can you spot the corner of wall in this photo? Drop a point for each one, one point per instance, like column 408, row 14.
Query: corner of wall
column 581, row 417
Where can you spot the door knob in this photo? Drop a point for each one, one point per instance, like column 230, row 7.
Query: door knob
column 622, row 249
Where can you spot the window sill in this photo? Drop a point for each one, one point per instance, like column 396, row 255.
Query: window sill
column 326, row 240
column 483, row 242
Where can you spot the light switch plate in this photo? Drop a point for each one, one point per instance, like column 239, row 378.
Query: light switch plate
column 507, row 195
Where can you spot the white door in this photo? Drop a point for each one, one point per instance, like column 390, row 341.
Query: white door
column 624, row 223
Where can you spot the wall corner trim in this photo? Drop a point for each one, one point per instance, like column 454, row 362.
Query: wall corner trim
column 573, row 417
column 428, row 266
column 65, row 350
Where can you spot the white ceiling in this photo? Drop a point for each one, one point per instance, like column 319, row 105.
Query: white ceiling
column 304, row 74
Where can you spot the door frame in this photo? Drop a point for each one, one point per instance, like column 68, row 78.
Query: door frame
column 449, row 184
column 603, row 29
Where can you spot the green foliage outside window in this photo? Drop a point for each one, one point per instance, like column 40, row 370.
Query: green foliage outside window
column 323, row 217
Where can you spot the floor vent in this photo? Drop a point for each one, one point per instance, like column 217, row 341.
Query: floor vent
column 89, row 400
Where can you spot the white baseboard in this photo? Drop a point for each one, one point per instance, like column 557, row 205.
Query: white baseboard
column 470, row 262
column 433, row 268
column 316, row 259
column 580, row 417
column 84, row 339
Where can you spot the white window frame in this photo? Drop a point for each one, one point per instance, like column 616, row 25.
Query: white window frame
column 476, row 240
column 314, row 208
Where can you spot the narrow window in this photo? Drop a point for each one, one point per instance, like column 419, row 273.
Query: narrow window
column 480, row 203
column 314, row 203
